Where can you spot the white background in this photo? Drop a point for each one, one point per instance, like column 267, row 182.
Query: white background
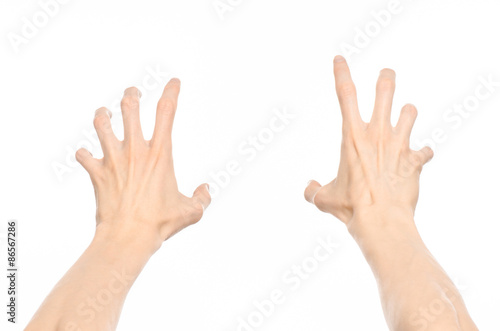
column 235, row 69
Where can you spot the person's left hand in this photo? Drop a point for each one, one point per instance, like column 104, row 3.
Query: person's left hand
column 135, row 185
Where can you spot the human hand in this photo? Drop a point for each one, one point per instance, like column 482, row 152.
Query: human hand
column 378, row 171
column 135, row 186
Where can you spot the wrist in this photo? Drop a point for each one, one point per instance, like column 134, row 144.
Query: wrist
column 387, row 237
column 382, row 221
column 129, row 238
column 366, row 220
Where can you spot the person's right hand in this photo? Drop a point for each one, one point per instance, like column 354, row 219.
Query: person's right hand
column 378, row 171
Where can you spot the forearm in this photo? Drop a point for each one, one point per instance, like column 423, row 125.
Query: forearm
column 416, row 293
column 138, row 207
column 90, row 296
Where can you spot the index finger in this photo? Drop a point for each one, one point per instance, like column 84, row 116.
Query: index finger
column 346, row 92
column 165, row 112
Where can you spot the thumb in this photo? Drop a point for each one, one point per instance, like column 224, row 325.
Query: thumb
column 85, row 158
column 312, row 188
column 426, row 154
column 202, row 196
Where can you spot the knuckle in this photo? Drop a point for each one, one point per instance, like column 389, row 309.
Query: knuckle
column 130, row 101
column 347, row 89
column 166, row 104
column 101, row 120
column 417, row 159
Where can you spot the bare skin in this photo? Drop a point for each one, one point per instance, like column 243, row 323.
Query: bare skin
column 138, row 208
column 375, row 195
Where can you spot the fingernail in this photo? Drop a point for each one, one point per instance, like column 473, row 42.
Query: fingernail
column 129, row 90
column 338, row 58
column 175, row 81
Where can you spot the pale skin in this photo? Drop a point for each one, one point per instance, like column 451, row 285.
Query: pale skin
column 375, row 194
column 138, row 208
